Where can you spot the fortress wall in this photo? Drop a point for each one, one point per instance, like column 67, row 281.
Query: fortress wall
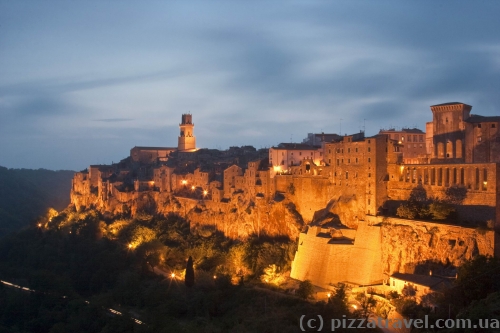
column 321, row 263
column 311, row 195
column 397, row 245
column 366, row 256
column 282, row 182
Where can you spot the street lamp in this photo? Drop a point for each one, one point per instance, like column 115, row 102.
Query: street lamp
column 172, row 275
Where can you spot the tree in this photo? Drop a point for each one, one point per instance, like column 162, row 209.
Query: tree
column 366, row 304
column 151, row 252
column 306, row 289
column 440, row 210
column 189, row 277
column 337, row 302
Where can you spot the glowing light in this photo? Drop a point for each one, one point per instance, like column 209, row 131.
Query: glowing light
column 184, row 182
column 355, row 306
column 328, row 295
column 39, row 225
column 192, row 187
column 205, row 192
column 215, row 277
column 172, row 275
column 130, row 246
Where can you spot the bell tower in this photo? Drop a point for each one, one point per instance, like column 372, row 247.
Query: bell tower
column 187, row 140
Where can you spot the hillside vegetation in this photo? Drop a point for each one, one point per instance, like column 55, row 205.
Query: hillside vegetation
column 26, row 194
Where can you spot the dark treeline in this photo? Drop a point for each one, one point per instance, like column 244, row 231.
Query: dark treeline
column 26, row 194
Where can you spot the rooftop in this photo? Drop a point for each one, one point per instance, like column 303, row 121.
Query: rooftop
column 474, row 118
column 296, row 146
column 155, row 148
column 423, row 280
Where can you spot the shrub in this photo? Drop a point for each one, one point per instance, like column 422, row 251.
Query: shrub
column 306, row 289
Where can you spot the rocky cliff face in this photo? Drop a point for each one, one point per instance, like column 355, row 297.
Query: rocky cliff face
column 417, row 247
column 238, row 218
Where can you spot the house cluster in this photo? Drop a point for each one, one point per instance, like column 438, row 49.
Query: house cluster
column 377, row 173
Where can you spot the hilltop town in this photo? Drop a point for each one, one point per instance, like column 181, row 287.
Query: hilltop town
column 364, row 209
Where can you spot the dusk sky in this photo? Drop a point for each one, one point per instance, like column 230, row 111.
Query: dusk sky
column 82, row 82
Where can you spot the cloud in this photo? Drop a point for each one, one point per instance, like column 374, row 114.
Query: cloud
column 112, row 120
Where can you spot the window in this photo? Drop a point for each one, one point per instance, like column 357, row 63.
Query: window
column 421, row 138
column 414, row 145
column 409, row 138
column 329, row 151
column 369, row 174
column 402, row 138
column 349, row 161
column 356, row 160
column 478, row 125
column 356, row 149
column 414, row 138
column 369, row 149
column 347, row 175
column 368, row 141
column 329, row 161
column 447, row 120
column 479, row 139
column 311, row 153
column 292, row 153
column 338, row 162
column 396, row 136
column 300, row 153
column 493, row 125
column 348, row 150
column 369, row 159
column 369, row 201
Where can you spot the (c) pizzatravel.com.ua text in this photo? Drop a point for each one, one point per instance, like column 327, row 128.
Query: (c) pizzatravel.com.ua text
column 319, row 324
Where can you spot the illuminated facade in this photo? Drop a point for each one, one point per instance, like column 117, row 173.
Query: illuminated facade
column 187, row 140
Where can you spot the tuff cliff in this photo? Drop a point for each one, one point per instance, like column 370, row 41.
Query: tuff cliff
column 416, row 247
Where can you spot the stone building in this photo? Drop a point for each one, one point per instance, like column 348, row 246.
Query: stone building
column 317, row 139
column 148, row 155
column 285, row 155
column 459, row 137
column 413, row 144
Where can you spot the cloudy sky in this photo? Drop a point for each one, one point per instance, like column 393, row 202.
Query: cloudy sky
column 82, row 82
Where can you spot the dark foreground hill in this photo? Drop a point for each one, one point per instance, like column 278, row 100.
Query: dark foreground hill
column 26, row 194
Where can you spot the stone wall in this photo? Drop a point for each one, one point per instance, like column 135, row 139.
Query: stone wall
column 354, row 258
